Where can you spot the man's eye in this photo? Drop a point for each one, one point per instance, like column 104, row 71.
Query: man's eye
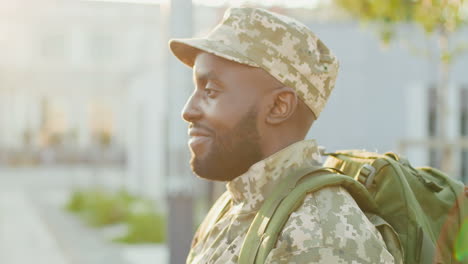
column 210, row 92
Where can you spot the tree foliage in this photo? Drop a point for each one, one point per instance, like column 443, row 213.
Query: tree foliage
column 431, row 15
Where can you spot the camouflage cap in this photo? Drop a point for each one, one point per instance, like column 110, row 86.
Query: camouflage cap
column 282, row 46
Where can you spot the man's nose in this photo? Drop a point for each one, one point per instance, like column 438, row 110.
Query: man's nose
column 191, row 111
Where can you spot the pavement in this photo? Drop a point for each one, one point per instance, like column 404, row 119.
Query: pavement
column 24, row 237
column 35, row 229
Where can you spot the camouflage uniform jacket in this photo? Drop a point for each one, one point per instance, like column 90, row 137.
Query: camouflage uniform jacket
column 328, row 227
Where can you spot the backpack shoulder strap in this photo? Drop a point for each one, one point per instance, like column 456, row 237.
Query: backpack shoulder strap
column 214, row 214
column 285, row 199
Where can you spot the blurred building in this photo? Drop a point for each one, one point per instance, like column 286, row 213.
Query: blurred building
column 70, row 74
column 66, row 67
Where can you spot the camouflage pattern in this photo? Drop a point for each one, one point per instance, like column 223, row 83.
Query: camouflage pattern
column 282, row 46
column 328, row 227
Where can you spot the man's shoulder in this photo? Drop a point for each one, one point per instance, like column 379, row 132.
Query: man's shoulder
column 330, row 218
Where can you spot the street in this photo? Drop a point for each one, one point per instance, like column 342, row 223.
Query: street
column 35, row 229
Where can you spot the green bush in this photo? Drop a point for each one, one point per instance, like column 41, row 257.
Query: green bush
column 77, row 202
column 98, row 208
column 144, row 227
column 104, row 208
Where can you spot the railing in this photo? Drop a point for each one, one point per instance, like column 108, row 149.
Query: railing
column 112, row 156
column 454, row 147
column 461, row 142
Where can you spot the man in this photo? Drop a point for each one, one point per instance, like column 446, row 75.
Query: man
column 261, row 80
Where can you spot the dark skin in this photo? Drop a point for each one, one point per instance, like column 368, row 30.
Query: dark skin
column 239, row 115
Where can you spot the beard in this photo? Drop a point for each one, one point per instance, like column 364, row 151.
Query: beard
column 232, row 153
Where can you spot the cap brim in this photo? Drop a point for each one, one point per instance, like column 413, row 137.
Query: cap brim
column 186, row 50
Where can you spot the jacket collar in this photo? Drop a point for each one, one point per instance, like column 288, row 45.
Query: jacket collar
column 249, row 190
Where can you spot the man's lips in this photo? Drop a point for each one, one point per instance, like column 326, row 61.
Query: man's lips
column 198, row 143
column 198, row 137
column 195, row 132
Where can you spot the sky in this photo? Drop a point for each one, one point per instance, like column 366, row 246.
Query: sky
column 286, row 3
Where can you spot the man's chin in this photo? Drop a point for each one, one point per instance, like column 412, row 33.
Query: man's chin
column 202, row 169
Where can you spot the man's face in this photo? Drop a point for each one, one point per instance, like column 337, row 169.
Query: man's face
column 223, row 113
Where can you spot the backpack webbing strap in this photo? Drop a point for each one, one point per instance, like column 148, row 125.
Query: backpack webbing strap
column 285, row 199
column 216, row 211
column 390, row 237
column 256, row 230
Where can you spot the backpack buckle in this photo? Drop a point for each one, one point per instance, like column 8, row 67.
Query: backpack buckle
column 366, row 175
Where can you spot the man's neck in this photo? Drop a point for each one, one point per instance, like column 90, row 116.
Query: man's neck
column 273, row 147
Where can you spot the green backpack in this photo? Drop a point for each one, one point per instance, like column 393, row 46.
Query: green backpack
column 421, row 213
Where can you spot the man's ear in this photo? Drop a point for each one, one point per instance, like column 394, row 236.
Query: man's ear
column 284, row 105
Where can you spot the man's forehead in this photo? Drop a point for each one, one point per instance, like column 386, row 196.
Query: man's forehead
column 205, row 66
column 202, row 71
column 210, row 66
column 205, row 59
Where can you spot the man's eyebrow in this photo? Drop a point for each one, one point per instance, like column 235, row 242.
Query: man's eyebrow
column 204, row 75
